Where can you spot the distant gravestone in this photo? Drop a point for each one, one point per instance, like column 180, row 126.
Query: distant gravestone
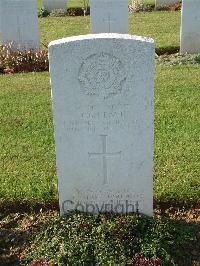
column 103, row 118
column 51, row 5
column 190, row 27
column 0, row 21
column 160, row 3
column 109, row 16
column 19, row 23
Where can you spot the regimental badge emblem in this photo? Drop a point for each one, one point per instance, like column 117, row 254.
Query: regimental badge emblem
column 102, row 74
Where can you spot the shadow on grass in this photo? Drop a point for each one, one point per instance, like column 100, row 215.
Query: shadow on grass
column 27, row 206
column 167, row 50
column 19, row 220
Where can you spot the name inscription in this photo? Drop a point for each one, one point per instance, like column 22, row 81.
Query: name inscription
column 94, row 119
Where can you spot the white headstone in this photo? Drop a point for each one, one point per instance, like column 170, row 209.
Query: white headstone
column 109, row 16
column 102, row 89
column 19, row 23
column 190, row 27
column 0, row 21
column 50, row 5
column 160, row 3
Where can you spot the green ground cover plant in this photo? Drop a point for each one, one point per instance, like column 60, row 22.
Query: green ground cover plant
column 33, row 234
column 27, row 158
column 84, row 239
column 13, row 61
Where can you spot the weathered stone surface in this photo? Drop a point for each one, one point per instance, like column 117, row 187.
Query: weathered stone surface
column 165, row 2
column 190, row 27
column 50, row 5
column 102, row 90
column 109, row 16
column 19, row 23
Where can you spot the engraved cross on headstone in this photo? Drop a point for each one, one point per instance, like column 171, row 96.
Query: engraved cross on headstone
column 109, row 21
column 104, row 154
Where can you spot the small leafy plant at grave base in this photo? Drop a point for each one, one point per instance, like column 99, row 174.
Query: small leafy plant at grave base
column 42, row 13
column 178, row 59
column 77, row 11
column 171, row 7
column 22, row 61
column 71, row 11
column 108, row 239
column 139, row 5
column 58, row 13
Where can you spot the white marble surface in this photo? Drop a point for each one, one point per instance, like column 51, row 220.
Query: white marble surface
column 190, row 27
column 103, row 93
column 165, row 2
column 50, row 5
column 109, row 16
column 0, row 24
column 19, row 23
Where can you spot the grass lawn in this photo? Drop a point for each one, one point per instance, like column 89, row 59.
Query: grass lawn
column 83, row 239
column 27, row 158
column 163, row 27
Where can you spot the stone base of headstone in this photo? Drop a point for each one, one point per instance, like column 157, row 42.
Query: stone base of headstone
column 162, row 3
column 190, row 27
column 53, row 5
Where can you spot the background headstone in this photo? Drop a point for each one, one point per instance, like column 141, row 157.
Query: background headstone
column 190, row 27
column 51, row 5
column 166, row 2
column 0, row 21
column 102, row 89
column 109, row 16
column 19, row 23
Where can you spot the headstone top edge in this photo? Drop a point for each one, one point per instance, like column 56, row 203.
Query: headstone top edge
column 101, row 36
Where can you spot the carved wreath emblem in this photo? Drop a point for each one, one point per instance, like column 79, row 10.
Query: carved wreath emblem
column 102, row 74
